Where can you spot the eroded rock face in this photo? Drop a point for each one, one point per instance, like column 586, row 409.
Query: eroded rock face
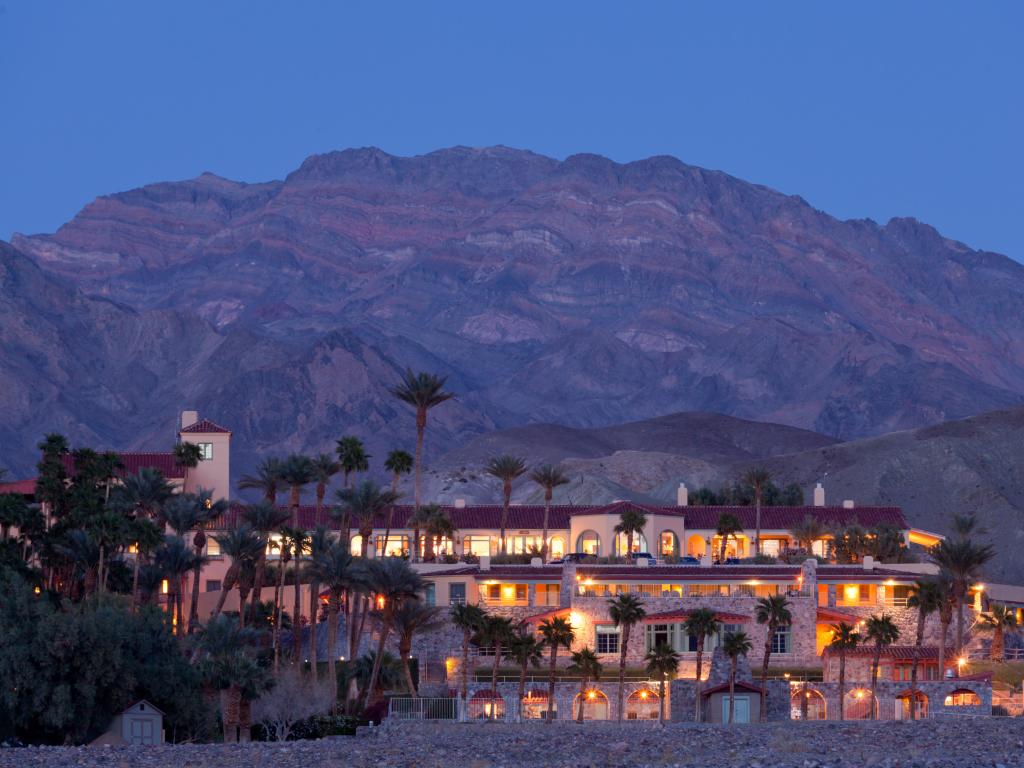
column 583, row 292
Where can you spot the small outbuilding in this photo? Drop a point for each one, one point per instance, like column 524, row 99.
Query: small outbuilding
column 141, row 723
column 747, row 708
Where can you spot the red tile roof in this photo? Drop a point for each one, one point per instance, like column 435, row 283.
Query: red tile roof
column 857, row 573
column 132, row 462
column 832, row 616
column 206, row 427
column 689, row 572
column 897, row 652
column 740, row 685
column 20, row 487
column 522, row 572
column 723, row 616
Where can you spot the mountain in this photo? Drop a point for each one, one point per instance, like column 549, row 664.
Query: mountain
column 582, row 292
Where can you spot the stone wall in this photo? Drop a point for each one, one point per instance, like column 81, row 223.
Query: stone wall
column 888, row 691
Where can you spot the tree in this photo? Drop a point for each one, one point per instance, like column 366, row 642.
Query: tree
column 734, row 645
column 772, row 611
column 844, row 638
column 176, row 560
column 701, row 624
column 525, row 650
column 663, row 663
column 468, row 619
column 423, row 391
column 364, row 503
column 13, row 512
column 398, row 463
column 807, row 531
column 925, row 596
column 585, row 664
column 224, row 652
column 757, row 478
column 394, row 582
column 411, row 618
column 417, row 521
column 548, row 477
column 241, row 545
column 557, row 633
column 299, row 542
column 626, row 611
column 319, row 542
column 438, row 527
column 507, row 469
column 963, row 560
column 882, row 632
column 352, row 456
column 264, row 519
column 728, row 526
column 1000, row 621
column 146, row 492
column 297, row 472
column 325, row 467
column 295, row 698
column 333, row 567
column 495, row 632
column 187, row 455
column 267, row 480
column 631, row 522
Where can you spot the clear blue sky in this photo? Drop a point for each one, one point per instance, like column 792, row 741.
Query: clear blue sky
column 874, row 109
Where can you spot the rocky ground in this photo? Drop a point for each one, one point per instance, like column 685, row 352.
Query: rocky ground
column 934, row 743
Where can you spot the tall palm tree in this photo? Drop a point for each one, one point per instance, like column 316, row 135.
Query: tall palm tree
column 728, row 526
column 319, row 542
column 176, row 560
column 963, row 560
column 418, row 520
column 734, row 645
column 295, row 541
column 925, row 596
column 364, row 503
column 412, row 617
column 221, row 645
column 525, row 650
column 947, row 603
column 468, row 619
column 495, row 632
column 353, row 457
column 774, row 612
column 297, row 472
column 394, row 582
column 1000, row 621
column 241, row 545
column 267, row 480
column 807, row 531
column 631, row 523
column 548, row 477
column 264, row 519
column 187, row 455
column 585, row 664
column 146, row 492
column 439, row 527
column 663, row 663
column 506, row 468
column 183, row 513
column 626, row 611
column 882, row 632
column 333, row 568
column 398, row 463
column 557, row 633
column 844, row 638
column 701, row 624
column 325, row 467
column 758, row 479
column 422, row 391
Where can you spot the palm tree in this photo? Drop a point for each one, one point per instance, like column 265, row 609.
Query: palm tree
column 398, row 463
column 701, row 624
column 525, row 650
column 507, row 469
column 631, row 522
column 438, row 528
column 352, row 456
column 411, row 618
column 495, row 632
column 185, row 512
column 176, row 560
column 807, row 531
column 187, row 455
column 146, row 492
column 1000, row 621
column 773, row 611
column 734, row 645
column 944, row 584
column 469, row 619
column 586, row 664
column 557, row 633
column 332, row 567
column 844, row 638
column 394, row 582
column 324, row 468
column 663, row 663
column 548, row 477
column 264, row 518
column 758, row 479
column 626, row 611
column 294, row 543
column 221, row 644
column 242, row 545
column 267, row 480
column 364, row 503
column 319, row 542
column 925, row 596
column 882, row 632
column 963, row 560
column 728, row 525
column 417, row 521
column 422, row 391
column 296, row 471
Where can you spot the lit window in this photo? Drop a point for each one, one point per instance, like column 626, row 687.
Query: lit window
column 669, row 546
column 963, row 698
column 589, row 543
column 556, row 547
column 607, row 639
column 206, row 451
column 212, row 547
column 477, row 545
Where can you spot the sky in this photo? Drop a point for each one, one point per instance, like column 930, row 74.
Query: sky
column 866, row 109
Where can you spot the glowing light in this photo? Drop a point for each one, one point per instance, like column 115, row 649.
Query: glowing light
column 851, row 592
column 786, row 675
column 890, row 582
column 591, row 695
column 380, row 602
column 164, row 586
column 575, row 620
column 980, row 587
column 643, row 694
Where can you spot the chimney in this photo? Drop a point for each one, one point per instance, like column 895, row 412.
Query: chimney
column 188, row 418
column 682, row 496
column 868, row 563
column 460, row 503
column 485, row 562
column 819, row 495
column 847, row 503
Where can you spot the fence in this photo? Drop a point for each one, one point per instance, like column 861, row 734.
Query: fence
column 407, row 708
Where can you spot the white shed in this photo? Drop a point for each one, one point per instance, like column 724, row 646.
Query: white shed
column 141, row 723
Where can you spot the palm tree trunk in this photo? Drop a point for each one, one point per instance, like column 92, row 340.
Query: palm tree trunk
column 193, row 606
column 551, row 683
column 996, row 652
column 332, row 638
column 229, row 703
column 522, row 691
column 697, row 681
column 622, row 668
column 842, row 684
column 314, row 613
column 244, row 720
column 377, row 662
column 421, row 427
column 944, row 633
column 757, row 524
column 135, row 580
column 465, row 666
column 874, row 679
column 804, row 702
column 506, row 499
column 388, row 519
column 99, row 570
column 959, row 624
column 764, row 671
column 278, row 612
column 257, row 590
column 494, row 679
column 661, row 699
column 297, row 608
column 547, row 514
column 229, row 583
column 404, row 651
column 914, row 666
column 583, row 698
column 732, row 688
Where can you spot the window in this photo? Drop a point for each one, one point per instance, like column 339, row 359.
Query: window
column 963, row 698
column 607, row 640
column 589, row 543
column 457, row 593
column 397, row 545
column 657, row 635
column 548, row 594
column 522, row 545
column 669, row 544
column 356, row 545
column 771, row 547
column 782, row 640
column 212, row 547
column 213, row 585
column 639, row 544
column 707, row 590
column 556, row 547
column 477, row 545
column 430, row 594
column 206, row 451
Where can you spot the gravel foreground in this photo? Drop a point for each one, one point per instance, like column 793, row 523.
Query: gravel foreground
column 937, row 743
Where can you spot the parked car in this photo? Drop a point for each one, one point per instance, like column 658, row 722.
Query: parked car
column 573, row 557
column 689, row 560
column 651, row 559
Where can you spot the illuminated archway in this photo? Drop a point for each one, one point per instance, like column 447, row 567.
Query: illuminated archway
column 556, row 547
column 696, row 546
column 668, row 544
column 962, row 697
column 639, row 544
column 589, row 543
column 816, row 709
column 903, row 705
column 484, row 705
column 642, row 705
column 535, row 705
column 595, row 705
column 859, row 704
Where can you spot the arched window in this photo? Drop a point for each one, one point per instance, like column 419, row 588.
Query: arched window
column 589, row 543
column 356, row 545
column 815, row 704
column 859, row 704
column 484, row 705
column 695, row 546
column 397, row 545
column 962, row 697
column 641, row 705
column 668, row 544
column 477, row 545
column 595, row 705
column 556, row 547
column 903, row 705
column 535, row 705
column 639, row 544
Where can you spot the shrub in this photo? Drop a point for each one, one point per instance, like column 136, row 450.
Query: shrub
column 998, row 710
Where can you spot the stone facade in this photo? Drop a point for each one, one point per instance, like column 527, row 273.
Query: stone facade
column 935, row 693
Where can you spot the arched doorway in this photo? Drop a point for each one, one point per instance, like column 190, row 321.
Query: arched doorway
column 556, row 547
column 595, row 705
column 589, row 543
column 639, row 544
column 962, row 697
column 642, row 705
column 816, row 709
column 668, row 544
column 859, row 704
column 535, row 705
column 696, row 546
column 484, row 705
column 903, row 705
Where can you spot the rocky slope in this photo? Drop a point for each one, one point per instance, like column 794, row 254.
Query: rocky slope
column 582, row 292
